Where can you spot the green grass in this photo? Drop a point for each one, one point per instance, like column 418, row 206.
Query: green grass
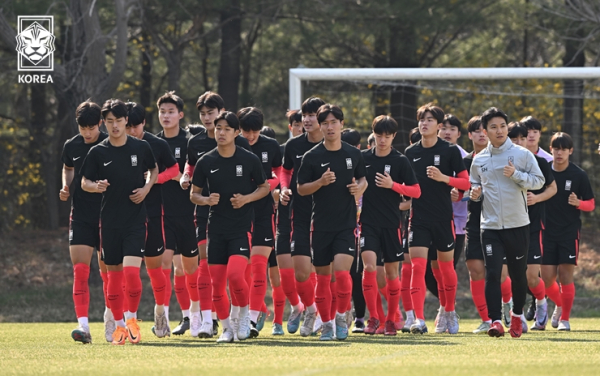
column 46, row 348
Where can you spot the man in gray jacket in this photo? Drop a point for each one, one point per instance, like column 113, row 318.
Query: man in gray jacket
column 501, row 174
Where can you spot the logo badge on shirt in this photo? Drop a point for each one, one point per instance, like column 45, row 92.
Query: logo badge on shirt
column 387, row 169
column 410, row 236
column 568, row 185
column 511, row 159
column 292, row 246
column 436, row 160
column 362, row 242
column 265, row 157
column 349, row 163
column 238, row 170
column 134, row 160
column 177, row 152
column 488, row 249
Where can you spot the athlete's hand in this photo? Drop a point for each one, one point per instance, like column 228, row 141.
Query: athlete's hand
column 213, row 199
column 138, row 195
column 475, row 193
column 238, row 200
column 509, row 170
column 101, row 185
column 178, row 178
column 184, row 181
column 64, row 193
column 275, row 195
column 573, row 200
column 454, row 194
column 353, row 187
column 285, row 196
column 328, row 177
column 434, row 173
column 384, row 181
column 531, row 199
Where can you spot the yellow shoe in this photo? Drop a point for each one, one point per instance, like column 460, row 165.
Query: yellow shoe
column 133, row 330
column 119, row 336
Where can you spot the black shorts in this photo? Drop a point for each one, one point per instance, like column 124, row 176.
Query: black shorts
column 272, row 259
column 507, row 246
column 201, row 227
column 220, row 247
column 563, row 251
column 180, row 235
column 116, row 243
column 473, row 250
column 84, row 233
column 534, row 256
column 300, row 245
column 385, row 242
column 327, row 244
column 155, row 241
column 440, row 234
column 263, row 231
column 283, row 237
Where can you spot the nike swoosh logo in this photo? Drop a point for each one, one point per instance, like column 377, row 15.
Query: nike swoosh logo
column 536, row 257
column 572, row 256
column 194, row 250
column 160, row 249
column 268, row 240
column 367, row 166
column 399, row 254
column 106, row 164
column 325, row 164
column 243, row 249
column 518, row 258
column 76, row 158
column 133, row 338
column 351, row 249
column 416, row 159
column 142, row 251
column 449, row 245
column 201, row 153
column 298, row 156
column 213, row 171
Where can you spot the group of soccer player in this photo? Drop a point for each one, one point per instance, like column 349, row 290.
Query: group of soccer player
column 224, row 205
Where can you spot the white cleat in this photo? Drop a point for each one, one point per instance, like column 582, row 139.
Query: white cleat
column 441, row 321
column 226, row 336
column 564, row 326
column 243, row 331
column 195, row 324
column 482, row 328
column 161, row 325
column 308, row 325
column 206, row 330
column 556, row 316
column 109, row 325
column 452, row 322
column 407, row 324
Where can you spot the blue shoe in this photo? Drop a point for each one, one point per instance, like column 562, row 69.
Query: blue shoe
column 277, row 330
column 260, row 322
column 294, row 321
column 327, row 333
column 341, row 328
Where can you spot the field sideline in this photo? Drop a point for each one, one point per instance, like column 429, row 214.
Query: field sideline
column 46, row 348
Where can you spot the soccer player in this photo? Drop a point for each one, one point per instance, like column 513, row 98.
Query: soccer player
column 300, row 213
column 333, row 172
column 439, row 167
column 371, row 141
column 269, row 153
column 534, row 132
column 236, row 179
column 295, row 122
column 84, row 229
column 389, row 176
column 501, row 174
column 563, row 223
column 115, row 167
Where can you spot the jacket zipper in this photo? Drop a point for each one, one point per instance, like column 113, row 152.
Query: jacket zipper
column 499, row 191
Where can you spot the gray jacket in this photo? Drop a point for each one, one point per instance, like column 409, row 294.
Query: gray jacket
column 505, row 199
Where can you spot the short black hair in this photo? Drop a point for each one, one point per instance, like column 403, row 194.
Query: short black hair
column 351, row 136
column 211, row 100
column 561, row 140
column 371, row 140
column 294, row 115
column 516, row 129
column 88, row 114
column 268, row 131
column 435, row 111
column 230, row 118
column 251, row 119
column 531, row 123
column 415, row 135
column 384, row 124
column 312, row 105
column 453, row 121
column 136, row 114
column 196, row 129
column 474, row 124
column 170, row 97
column 327, row 109
column 491, row 113
column 114, row 106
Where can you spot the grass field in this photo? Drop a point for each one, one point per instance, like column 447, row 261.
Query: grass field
column 46, row 348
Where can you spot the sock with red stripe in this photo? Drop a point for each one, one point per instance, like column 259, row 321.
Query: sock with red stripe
column 333, row 289
column 370, row 292
column 168, row 286
column 181, row 292
column 258, row 287
column 450, row 281
column 539, row 291
column 81, row 290
column 393, row 288
column 306, row 291
column 204, row 287
column 478, row 293
column 104, row 276
column 238, row 286
column 115, row 294
column 218, row 274
column 248, row 274
column 344, row 290
column 323, row 297
column 553, row 293
column 506, row 288
column 124, row 292
column 288, row 283
column 567, row 296
column 417, row 285
column 405, row 278
column 134, row 287
column 159, row 284
column 278, row 304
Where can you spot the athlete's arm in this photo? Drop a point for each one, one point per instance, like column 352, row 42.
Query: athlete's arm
column 550, row 191
column 309, row 188
column 475, row 179
column 168, row 174
column 139, row 194
column 93, row 186
column 274, row 180
column 197, row 198
column 583, row 205
column 530, row 179
column 405, row 205
column 358, row 187
column 238, row 200
column 67, row 178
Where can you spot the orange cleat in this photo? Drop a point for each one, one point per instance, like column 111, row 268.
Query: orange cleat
column 133, row 329
column 119, row 336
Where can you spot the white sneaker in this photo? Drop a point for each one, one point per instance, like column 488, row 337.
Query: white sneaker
column 441, row 321
column 195, row 324
column 243, row 331
column 407, row 324
column 226, row 336
column 564, row 326
column 482, row 328
column 452, row 322
column 161, row 325
column 206, row 330
column 556, row 316
column 109, row 325
column 418, row 327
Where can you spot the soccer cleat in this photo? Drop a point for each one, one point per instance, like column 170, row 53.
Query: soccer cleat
column 483, row 328
column 380, row 329
column 496, row 330
column 400, row 323
column 327, row 333
column 215, row 327
column 418, row 327
column 119, row 336
column 110, row 325
column 441, row 321
column 390, row 328
column 506, row 310
column 541, row 317
column 82, row 334
column 564, row 326
column 308, row 326
column 294, row 321
column 556, row 316
column 452, row 322
column 349, row 318
column 184, row 326
column 359, row 327
column 524, row 324
column 372, row 325
column 133, row 331
column 409, row 322
column 318, row 325
column 195, row 324
column 260, row 322
column 161, row 326
column 516, row 327
column 277, row 330
column 206, row 330
column 341, row 328
column 244, row 330
column 530, row 315
column 226, row 336
column 253, row 330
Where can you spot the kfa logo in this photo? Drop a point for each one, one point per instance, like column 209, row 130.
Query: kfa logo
column 265, row 157
column 35, row 48
column 349, row 163
column 387, row 168
column 488, row 249
column 511, row 159
column 177, row 152
column 362, row 242
column 568, row 185
column 238, row 170
column 436, row 160
column 410, row 236
column 134, row 160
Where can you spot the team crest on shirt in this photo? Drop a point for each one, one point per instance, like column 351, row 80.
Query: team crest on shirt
column 238, row 170
column 265, row 157
column 488, row 249
column 410, row 236
column 362, row 241
column 177, row 152
column 134, row 160
column 511, row 159
column 387, row 169
column 568, row 185
column 436, row 160
column 70, row 234
column 349, row 163
column 292, row 245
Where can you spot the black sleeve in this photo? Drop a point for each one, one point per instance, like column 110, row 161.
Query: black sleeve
column 457, row 162
column 361, row 170
column 277, row 158
column 149, row 160
column 258, row 173
column 199, row 178
column 243, row 143
column 89, row 169
column 586, row 192
column 192, row 157
column 406, row 173
column 305, row 174
column 547, row 172
column 288, row 158
column 65, row 157
column 167, row 156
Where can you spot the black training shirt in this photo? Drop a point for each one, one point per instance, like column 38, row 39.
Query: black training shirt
column 269, row 153
column 164, row 159
column 473, row 207
column 177, row 200
column 537, row 212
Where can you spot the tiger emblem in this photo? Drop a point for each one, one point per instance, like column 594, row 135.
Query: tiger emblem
column 35, row 43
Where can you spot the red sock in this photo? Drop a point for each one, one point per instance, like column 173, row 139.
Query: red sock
column 264, row 309
column 405, row 277
column 306, row 291
column 478, row 293
column 124, row 294
column 204, row 286
column 313, row 279
column 258, row 287
column 393, row 287
column 237, row 283
column 333, row 289
column 567, row 296
column 81, row 290
column 115, row 294
column 384, row 293
column 278, row 304
column 191, row 281
column 218, row 274
column 370, row 292
column 506, row 288
column 104, row 276
column 248, row 274
column 380, row 311
column 323, row 297
column 344, row 290
column 169, row 287
column 159, row 284
column 181, row 292
column 134, row 287
column 553, row 293
column 417, row 286
column 439, row 278
column 288, row 283
column 539, row 291
column 450, row 281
